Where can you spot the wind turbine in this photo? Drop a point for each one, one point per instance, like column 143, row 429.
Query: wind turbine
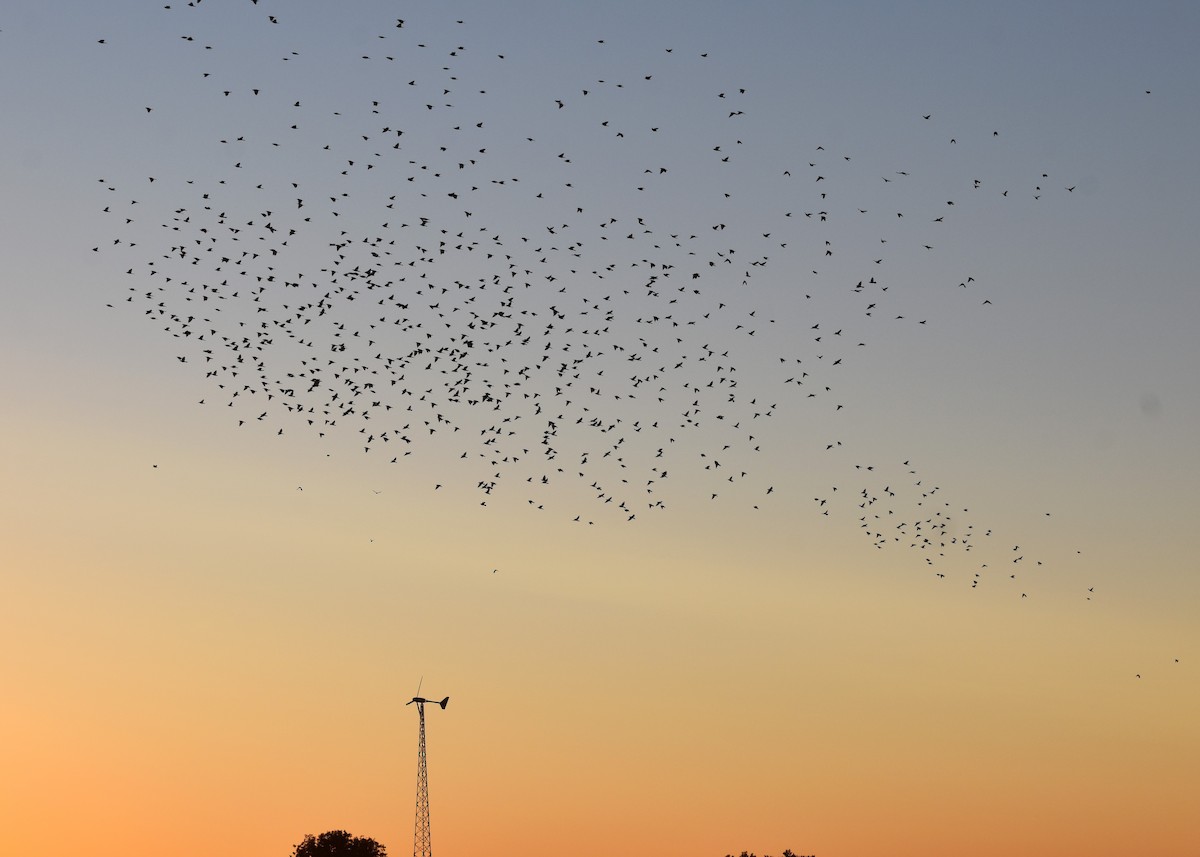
column 421, row 842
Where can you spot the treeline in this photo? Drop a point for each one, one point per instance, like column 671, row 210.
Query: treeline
column 339, row 843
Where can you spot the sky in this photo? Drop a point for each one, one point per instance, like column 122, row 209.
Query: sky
column 771, row 424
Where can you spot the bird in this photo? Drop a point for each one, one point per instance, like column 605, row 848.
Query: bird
column 549, row 314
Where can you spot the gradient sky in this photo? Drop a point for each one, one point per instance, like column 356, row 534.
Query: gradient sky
column 208, row 631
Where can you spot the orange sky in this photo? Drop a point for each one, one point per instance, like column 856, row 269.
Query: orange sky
column 243, row 669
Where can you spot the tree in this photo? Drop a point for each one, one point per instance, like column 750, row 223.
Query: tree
column 339, row 843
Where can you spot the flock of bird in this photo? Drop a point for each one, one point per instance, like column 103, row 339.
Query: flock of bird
column 573, row 290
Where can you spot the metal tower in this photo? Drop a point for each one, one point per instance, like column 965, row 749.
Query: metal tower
column 421, row 843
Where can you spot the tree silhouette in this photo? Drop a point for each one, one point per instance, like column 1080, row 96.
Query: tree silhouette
column 339, row 843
